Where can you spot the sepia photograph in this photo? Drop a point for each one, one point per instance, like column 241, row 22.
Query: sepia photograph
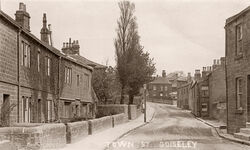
column 124, row 74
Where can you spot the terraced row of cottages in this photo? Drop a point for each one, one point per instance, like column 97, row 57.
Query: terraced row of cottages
column 39, row 83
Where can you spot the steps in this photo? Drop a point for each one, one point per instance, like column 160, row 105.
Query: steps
column 242, row 136
column 244, row 133
column 245, row 130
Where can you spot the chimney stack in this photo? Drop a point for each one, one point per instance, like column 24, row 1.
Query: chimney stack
column 71, row 48
column 197, row 75
column 45, row 33
column 164, row 73
column 50, row 35
column 23, row 17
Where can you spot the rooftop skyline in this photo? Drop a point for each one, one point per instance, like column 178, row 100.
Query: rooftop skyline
column 179, row 34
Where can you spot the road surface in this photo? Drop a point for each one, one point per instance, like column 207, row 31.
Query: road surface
column 173, row 128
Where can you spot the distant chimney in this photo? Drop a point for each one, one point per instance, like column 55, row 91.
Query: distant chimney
column 189, row 77
column 22, row 17
column 223, row 61
column 50, row 35
column 215, row 64
column 45, row 33
column 197, row 75
column 204, row 72
column 71, row 48
column 164, row 73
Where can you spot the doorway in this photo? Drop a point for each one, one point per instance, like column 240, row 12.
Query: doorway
column 248, row 98
column 5, row 110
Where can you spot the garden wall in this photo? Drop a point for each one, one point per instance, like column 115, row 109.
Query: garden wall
column 37, row 136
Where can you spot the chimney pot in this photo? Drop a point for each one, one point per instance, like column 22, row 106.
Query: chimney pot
column 163, row 73
column 197, row 71
column 22, row 7
column 214, row 61
column 69, row 40
column 218, row 61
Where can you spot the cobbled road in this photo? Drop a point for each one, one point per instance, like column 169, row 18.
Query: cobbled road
column 173, row 128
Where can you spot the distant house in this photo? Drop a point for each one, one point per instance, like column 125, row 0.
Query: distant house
column 217, row 90
column 207, row 92
column 164, row 89
column 183, row 94
column 237, row 30
column 200, row 96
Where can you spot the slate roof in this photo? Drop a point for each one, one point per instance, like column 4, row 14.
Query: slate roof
column 160, row 80
column 88, row 62
column 76, row 58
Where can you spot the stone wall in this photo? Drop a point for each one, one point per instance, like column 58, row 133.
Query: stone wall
column 111, row 109
column 119, row 119
column 132, row 113
column 217, row 94
column 100, row 124
column 7, row 145
column 163, row 101
column 35, row 136
column 76, row 131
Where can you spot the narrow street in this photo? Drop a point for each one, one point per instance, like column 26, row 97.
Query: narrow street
column 172, row 128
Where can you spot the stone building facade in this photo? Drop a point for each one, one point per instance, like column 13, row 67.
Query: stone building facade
column 160, row 89
column 183, row 96
column 199, row 95
column 39, row 83
column 205, row 95
column 164, row 89
column 183, row 93
column 217, row 91
column 237, row 29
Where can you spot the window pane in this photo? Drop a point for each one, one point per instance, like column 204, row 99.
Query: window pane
column 22, row 53
column 38, row 61
column 28, row 57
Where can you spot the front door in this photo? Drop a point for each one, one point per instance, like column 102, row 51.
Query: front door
column 248, row 98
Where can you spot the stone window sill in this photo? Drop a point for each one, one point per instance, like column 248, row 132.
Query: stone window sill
column 239, row 111
column 238, row 57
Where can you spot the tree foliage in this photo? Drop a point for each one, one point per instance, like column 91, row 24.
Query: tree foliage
column 134, row 67
column 105, row 84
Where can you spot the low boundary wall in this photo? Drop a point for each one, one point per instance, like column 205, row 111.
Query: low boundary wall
column 76, row 131
column 37, row 136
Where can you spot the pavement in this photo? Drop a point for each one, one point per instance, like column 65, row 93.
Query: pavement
column 102, row 140
column 222, row 131
column 173, row 128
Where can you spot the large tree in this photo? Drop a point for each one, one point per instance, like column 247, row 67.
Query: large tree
column 134, row 67
column 123, row 42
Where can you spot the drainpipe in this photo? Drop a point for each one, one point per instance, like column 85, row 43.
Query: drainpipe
column 18, row 73
column 226, row 76
column 59, row 84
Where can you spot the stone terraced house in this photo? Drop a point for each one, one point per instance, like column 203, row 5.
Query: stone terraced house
column 205, row 94
column 237, row 29
column 39, row 83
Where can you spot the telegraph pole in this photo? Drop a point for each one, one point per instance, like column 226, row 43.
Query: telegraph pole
column 145, row 108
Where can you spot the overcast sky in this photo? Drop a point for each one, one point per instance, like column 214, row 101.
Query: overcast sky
column 179, row 34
